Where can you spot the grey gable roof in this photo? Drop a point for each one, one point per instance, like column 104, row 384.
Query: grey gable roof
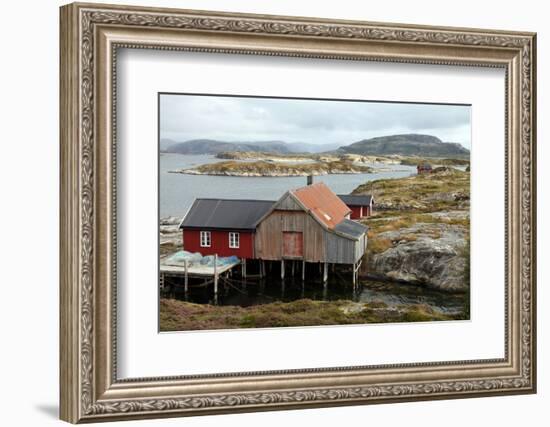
column 351, row 228
column 226, row 213
column 356, row 200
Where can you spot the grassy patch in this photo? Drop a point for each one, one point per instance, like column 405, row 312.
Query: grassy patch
column 413, row 161
column 445, row 190
column 179, row 315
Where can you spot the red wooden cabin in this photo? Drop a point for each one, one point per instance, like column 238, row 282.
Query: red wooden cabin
column 223, row 227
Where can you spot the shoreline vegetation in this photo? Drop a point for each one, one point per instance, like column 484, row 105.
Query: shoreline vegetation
column 180, row 315
column 263, row 164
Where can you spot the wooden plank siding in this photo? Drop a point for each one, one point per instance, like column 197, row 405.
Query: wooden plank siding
column 288, row 203
column 269, row 235
column 269, row 238
column 360, row 247
column 341, row 250
column 314, row 240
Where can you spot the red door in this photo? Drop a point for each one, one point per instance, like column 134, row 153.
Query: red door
column 293, row 244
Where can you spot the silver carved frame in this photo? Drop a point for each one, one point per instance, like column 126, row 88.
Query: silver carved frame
column 90, row 36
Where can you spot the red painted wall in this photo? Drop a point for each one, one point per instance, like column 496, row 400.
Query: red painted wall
column 355, row 212
column 219, row 243
column 358, row 212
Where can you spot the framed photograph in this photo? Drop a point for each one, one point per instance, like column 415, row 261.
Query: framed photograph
column 267, row 212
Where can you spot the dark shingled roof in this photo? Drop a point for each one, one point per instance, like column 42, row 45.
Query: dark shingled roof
column 226, row 214
column 351, row 228
column 356, row 200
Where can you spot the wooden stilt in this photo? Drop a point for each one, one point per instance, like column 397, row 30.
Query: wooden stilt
column 282, row 269
column 325, row 273
column 216, row 275
column 186, row 278
column 262, row 268
column 356, row 272
column 354, row 279
column 303, row 270
column 244, row 268
column 293, row 264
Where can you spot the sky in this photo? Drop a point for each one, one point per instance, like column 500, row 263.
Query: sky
column 185, row 117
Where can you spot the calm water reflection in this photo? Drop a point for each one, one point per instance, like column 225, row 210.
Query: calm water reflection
column 256, row 291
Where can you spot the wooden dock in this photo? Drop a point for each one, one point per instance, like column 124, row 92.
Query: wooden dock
column 195, row 270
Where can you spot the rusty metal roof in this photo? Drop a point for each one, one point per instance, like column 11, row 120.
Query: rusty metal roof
column 323, row 203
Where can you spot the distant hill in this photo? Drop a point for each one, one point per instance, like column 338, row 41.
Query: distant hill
column 211, row 146
column 406, row 145
column 165, row 143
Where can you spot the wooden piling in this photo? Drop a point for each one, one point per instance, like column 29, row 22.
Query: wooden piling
column 356, row 272
column 186, row 278
column 262, row 269
column 303, row 270
column 325, row 273
column 282, row 269
column 216, row 275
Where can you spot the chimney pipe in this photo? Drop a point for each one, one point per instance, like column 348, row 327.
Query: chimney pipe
column 309, row 179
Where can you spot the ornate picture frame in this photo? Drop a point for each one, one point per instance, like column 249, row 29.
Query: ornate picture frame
column 90, row 37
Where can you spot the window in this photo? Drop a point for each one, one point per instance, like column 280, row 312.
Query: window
column 206, row 239
column 234, row 240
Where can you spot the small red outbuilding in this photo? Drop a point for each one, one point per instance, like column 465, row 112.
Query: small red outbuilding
column 360, row 205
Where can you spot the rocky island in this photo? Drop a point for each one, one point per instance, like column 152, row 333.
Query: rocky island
column 264, row 168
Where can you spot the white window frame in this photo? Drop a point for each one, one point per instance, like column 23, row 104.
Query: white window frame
column 234, row 240
column 206, row 239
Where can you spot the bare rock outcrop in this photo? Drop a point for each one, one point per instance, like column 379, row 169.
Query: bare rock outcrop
column 434, row 255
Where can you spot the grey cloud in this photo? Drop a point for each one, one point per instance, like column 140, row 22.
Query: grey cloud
column 315, row 121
